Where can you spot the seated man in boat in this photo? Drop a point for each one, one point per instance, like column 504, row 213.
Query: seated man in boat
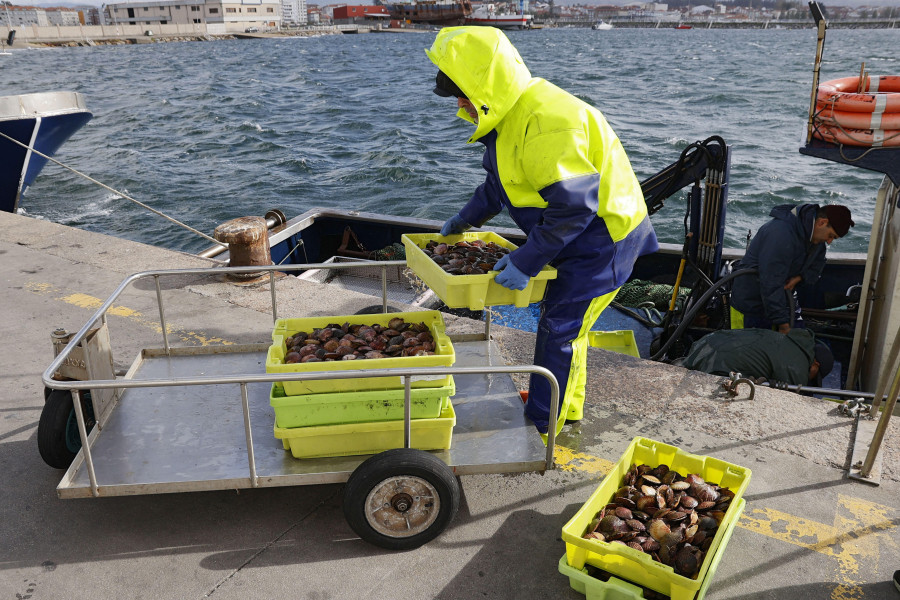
column 560, row 170
column 795, row 358
column 786, row 251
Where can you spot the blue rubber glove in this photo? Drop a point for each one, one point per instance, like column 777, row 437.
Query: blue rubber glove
column 510, row 276
column 455, row 224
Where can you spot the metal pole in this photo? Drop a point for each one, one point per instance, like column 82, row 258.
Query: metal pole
column 248, row 433
column 806, row 389
column 890, row 365
column 407, row 411
column 162, row 316
column 85, row 447
column 821, row 25
column 551, row 425
column 8, row 25
column 274, row 303
column 487, row 323
column 878, row 438
column 384, row 288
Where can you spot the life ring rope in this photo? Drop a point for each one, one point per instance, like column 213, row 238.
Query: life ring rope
column 870, row 118
column 876, row 138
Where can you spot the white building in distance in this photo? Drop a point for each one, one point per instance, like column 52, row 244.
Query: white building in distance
column 220, row 16
column 63, row 16
column 24, row 15
column 293, row 13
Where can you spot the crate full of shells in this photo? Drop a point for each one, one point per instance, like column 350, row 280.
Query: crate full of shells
column 357, row 342
column 659, row 519
column 460, row 269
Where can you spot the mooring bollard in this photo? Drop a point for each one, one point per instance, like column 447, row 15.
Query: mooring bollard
column 248, row 244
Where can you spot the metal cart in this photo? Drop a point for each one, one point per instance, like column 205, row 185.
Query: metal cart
column 188, row 419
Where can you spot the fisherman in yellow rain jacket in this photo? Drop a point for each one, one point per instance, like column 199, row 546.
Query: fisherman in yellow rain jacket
column 559, row 169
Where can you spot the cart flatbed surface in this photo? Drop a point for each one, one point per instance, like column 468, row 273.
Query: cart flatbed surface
column 192, row 438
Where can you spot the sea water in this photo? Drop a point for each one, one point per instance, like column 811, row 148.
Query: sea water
column 209, row 131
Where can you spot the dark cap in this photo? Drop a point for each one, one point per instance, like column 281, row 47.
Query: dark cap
column 826, row 362
column 445, row 87
column 839, row 218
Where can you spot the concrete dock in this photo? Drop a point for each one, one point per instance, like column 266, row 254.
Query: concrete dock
column 808, row 532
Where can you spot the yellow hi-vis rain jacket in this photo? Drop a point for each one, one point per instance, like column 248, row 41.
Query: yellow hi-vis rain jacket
column 554, row 162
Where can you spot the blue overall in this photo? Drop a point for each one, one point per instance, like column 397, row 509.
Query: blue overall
column 781, row 249
column 554, row 163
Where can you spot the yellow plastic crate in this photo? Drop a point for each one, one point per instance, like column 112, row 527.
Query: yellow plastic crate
column 356, row 407
column 470, row 291
column 368, row 438
column 444, row 355
column 633, row 565
column 617, row 589
column 621, row 341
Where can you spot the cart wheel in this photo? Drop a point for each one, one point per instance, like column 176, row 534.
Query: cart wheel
column 58, row 439
column 401, row 498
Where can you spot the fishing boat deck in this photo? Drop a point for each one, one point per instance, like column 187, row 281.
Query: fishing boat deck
column 807, row 532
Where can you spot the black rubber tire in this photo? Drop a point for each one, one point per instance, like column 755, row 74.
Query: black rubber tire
column 377, row 309
column 58, row 439
column 391, row 470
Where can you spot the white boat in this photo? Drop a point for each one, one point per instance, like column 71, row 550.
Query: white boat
column 601, row 25
column 498, row 16
column 39, row 122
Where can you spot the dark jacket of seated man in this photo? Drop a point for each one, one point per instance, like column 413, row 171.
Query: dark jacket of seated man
column 795, row 358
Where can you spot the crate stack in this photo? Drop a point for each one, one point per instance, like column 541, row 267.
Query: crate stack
column 364, row 415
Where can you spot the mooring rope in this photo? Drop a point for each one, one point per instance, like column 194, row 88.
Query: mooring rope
column 114, row 191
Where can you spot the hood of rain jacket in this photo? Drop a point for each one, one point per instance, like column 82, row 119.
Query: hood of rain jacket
column 486, row 67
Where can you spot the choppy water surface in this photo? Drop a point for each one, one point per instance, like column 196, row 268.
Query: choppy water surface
column 209, row 131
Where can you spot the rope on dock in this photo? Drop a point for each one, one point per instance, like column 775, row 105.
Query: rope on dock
column 114, row 191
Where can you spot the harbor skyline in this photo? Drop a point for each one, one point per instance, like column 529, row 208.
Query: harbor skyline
column 856, row 4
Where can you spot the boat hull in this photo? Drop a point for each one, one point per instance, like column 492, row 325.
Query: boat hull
column 512, row 22
column 448, row 13
column 320, row 235
column 41, row 121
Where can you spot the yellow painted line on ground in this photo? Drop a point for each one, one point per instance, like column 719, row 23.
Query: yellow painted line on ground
column 855, row 539
column 91, row 303
column 85, row 301
column 567, row 459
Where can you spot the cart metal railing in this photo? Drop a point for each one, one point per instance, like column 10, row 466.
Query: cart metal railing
column 121, row 383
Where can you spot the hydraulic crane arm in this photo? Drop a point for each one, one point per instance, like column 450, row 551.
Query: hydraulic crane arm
column 689, row 169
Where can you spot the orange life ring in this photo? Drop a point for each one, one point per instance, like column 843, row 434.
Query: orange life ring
column 856, row 120
column 858, row 137
column 881, row 94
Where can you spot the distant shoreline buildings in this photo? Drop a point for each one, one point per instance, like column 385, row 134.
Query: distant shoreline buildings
column 220, row 16
column 204, row 19
column 723, row 14
column 42, row 16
